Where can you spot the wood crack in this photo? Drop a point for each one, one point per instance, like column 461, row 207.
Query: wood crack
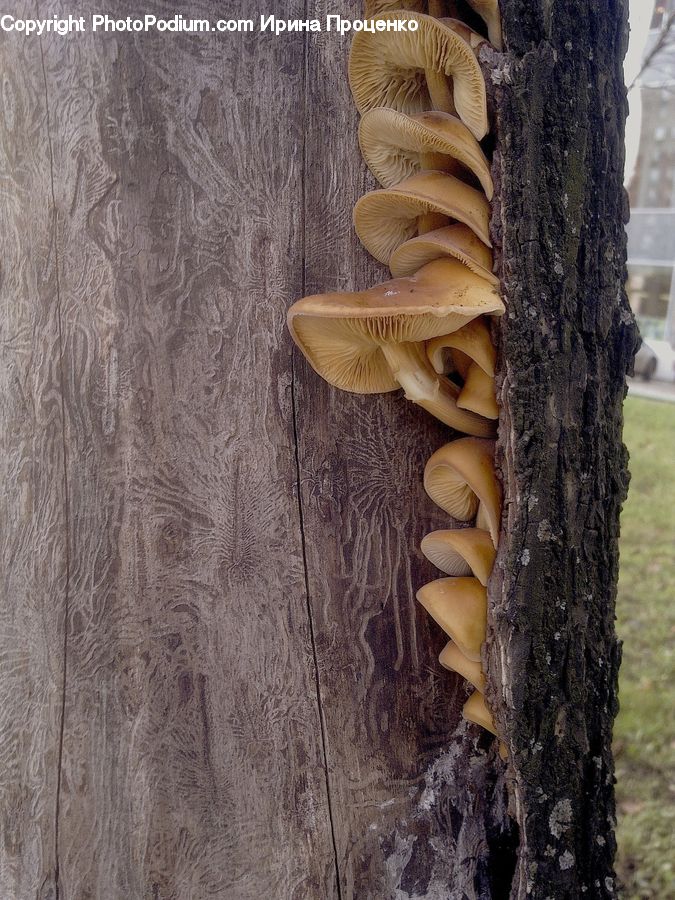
column 66, row 504
column 296, row 450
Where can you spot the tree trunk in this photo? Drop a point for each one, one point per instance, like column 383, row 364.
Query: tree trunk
column 216, row 682
column 566, row 343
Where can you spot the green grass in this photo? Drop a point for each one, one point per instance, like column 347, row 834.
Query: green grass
column 645, row 728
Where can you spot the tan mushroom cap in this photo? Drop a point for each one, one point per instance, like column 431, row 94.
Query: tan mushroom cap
column 470, row 344
column 475, row 710
column 460, row 475
column 457, row 241
column 461, row 551
column 396, row 146
column 384, row 219
column 408, row 71
column 452, row 658
column 459, row 606
column 372, row 341
column 488, row 10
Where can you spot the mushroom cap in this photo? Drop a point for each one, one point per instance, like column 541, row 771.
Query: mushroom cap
column 475, row 710
column 451, row 657
column 461, row 551
column 478, row 393
column 469, row 344
column 394, row 145
column 459, row 606
column 386, row 68
column 384, row 219
column 341, row 334
column 488, row 10
column 460, row 475
column 457, row 241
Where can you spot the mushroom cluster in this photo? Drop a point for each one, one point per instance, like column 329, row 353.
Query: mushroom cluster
column 422, row 97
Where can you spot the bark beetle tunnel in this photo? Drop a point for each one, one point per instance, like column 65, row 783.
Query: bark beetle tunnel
column 422, row 96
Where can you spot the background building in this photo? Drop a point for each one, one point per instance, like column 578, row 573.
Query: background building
column 651, row 231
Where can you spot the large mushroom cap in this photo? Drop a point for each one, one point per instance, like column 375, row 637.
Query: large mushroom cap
column 342, row 334
column 476, row 711
column 451, row 657
column 461, row 551
column 391, row 68
column 456, row 241
column 460, row 475
column 459, row 606
column 386, row 218
column 396, row 146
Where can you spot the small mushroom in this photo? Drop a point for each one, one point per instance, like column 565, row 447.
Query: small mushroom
column 461, row 551
column 478, row 393
column 456, row 241
column 384, row 219
column 371, row 341
column 488, row 10
column 475, row 710
column 452, row 658
column 409, row 71
column 460, row 476
column 396, row 146
column 470, row 344
column 459, row 606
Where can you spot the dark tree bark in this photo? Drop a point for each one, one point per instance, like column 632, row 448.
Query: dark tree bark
column 567, row 342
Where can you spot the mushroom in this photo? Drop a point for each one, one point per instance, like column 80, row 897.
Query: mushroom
column 470, row 344
column 475, row 710
column 488, row 10
column 409, row 71
column 384, row 219
column 459, row 606
column 452, row 658
column 461, row 551
column 371, row 341
column 460, row 477
column 478, row 393
column 456, row 241
column 474, row 357
column 395, row 146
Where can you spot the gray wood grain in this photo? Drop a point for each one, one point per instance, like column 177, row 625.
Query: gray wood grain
column 192, row 759
column 215, row 678
column 32, row 499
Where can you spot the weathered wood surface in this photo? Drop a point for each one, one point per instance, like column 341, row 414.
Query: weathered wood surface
column 162, row 734
column 192, row 763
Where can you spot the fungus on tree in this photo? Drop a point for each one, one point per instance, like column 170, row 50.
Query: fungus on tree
column 459, row 606
column 372, row 341
column 396, row 146
column 432, row 67
column 460, row 478
column 386, row 218
column 455, row 241
column 452, row 658
column 461, row 551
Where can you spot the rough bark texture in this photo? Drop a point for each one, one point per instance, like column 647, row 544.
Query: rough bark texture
column 566, row 343
column 215, row 681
